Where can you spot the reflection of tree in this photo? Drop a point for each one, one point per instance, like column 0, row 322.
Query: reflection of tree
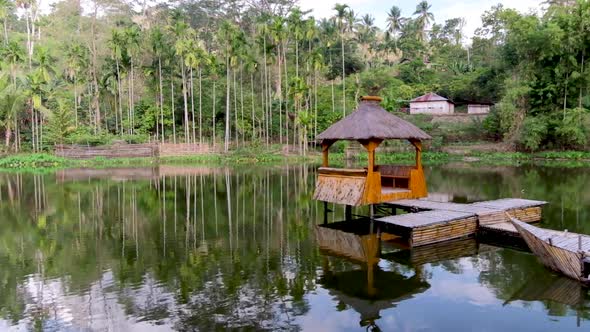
column 207, row 269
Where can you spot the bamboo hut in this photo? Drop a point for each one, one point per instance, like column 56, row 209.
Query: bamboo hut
column 370, row 125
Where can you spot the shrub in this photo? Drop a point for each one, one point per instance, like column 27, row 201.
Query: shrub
column 533, row 132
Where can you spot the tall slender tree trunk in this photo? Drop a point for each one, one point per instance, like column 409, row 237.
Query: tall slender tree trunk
column 343, row 78
column 227, row 105
column 286, row 99
column 193, row 106
column 332, row 85
column 95, row 96
column 119, row 95
column 185, row 102
column 161, row 97
column 76, row 101
column 242, row 123
column 132, row 97
column 214, row 114
column 252, row 96
column 200, row 107
column 280, row 93
column 173, row 110
column 236, row 125
column 265, row 85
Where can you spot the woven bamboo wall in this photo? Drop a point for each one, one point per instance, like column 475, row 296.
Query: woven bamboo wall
column 107, row 151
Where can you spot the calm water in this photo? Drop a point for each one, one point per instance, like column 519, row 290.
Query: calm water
column 223, row 249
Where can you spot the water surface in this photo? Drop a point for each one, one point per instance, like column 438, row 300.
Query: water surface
column 196, row 248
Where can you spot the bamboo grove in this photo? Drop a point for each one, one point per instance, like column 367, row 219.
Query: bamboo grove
column 237, row 73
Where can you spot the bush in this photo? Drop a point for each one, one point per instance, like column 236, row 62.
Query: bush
column 571, row 132
column 533, row 132
column 491, row 125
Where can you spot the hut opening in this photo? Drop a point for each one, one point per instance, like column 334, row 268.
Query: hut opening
column 370, row 125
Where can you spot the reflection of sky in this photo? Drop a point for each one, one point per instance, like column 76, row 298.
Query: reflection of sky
column 454, row 302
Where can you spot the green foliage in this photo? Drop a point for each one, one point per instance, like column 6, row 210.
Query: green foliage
column 572, row 131
column 32, row 161
column 61, row 124
column 533, row 132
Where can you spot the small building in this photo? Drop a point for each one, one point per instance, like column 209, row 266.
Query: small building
column 431, row 103
column 478, row 108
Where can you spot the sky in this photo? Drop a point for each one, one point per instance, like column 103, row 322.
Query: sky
column 471, row 10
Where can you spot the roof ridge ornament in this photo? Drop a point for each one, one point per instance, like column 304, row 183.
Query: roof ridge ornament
column 371, row 98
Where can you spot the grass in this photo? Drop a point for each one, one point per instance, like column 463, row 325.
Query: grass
column 44, row 161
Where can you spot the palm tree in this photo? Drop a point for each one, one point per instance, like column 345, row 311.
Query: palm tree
column 227, row 33
column 116, row 43
column 159, row 46
column 395, row 23
column 341, row 19
column 5, row 8
column 194, row 57
column 12, row 102
column 44, row 64
column 133, row 46
column 14, row 55
column 76, row 62
column 424, row 17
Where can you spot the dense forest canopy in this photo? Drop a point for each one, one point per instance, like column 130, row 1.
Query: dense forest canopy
column 235, row 72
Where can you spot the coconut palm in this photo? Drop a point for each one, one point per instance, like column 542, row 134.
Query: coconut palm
column 424, row 17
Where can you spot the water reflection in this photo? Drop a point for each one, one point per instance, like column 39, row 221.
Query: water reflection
column 368, row 288
column 219, row 248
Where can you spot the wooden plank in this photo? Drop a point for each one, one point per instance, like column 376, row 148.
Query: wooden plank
column 510, row 203
column 420, row 219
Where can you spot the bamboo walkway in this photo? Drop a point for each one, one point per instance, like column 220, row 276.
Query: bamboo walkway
column 432, row 222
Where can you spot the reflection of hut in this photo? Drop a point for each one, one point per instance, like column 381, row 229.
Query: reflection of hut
column 369, row 125
column 436, row 252
column 370, row 289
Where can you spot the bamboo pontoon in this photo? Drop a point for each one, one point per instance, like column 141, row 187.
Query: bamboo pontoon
column 439, row 221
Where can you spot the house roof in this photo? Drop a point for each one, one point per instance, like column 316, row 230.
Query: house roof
column 370, row 121
column 431, row 96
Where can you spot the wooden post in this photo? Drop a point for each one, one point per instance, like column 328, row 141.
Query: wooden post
column 373, row 186
column 418, row 146
column 348, row 212
column 325, row 213
column 326, row 144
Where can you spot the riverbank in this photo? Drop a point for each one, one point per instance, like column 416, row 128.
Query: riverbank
column 36, row 161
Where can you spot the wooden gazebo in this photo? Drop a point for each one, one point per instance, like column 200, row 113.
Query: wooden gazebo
column 370, row 125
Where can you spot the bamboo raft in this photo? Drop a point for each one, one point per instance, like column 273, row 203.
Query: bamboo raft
column 433, row 222
column 567, row 253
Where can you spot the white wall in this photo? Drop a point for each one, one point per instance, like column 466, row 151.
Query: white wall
column 478, row 109
column 432, row 107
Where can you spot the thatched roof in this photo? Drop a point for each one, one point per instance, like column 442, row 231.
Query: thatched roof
column 371, row 121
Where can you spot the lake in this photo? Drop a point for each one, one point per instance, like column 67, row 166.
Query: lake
column 202, row 249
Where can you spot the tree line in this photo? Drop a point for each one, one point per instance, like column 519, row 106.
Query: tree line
column 235, row 73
